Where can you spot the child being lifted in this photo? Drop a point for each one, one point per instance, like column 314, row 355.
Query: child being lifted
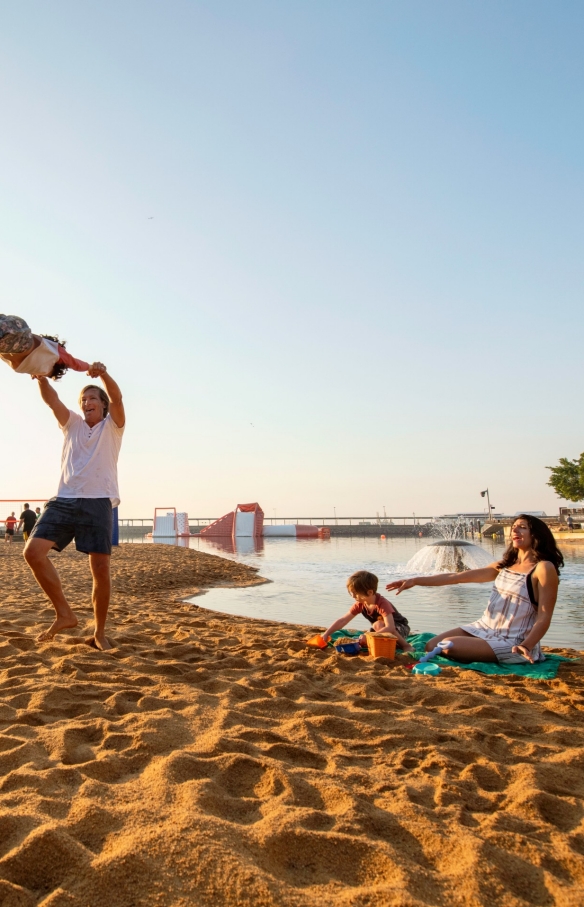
column 34, row 354
column 382, row 615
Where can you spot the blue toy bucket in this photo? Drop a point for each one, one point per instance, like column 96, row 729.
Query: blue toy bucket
column 348, row 648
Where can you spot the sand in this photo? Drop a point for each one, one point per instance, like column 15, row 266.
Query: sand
column 213, row 760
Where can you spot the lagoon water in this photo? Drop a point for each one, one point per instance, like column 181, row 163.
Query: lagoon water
column 308, row 585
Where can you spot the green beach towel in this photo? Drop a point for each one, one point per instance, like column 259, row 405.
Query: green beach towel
column 542, row 670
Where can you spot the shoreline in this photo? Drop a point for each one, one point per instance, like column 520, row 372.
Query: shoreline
column 212, row 759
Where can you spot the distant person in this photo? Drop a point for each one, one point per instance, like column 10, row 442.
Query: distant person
column 380, row 613
column 82, row 508
column 522, row 601
column 35, row 354
column 10, row 525
column 37, row 512
column 570, row 522
column 27, row 520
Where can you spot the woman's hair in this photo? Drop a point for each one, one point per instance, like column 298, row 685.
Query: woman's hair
column 362, row 582
column 103, row 396
column 543, row 544
column 58, row 370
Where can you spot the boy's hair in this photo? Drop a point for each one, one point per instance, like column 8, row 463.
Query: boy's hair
column 362, row 582
column 58, row 370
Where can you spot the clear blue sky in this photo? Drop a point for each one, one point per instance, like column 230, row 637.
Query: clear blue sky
column 362, row 283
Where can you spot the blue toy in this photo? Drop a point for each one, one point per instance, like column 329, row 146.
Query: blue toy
column 348, row 648
column 432, row 669
column 439, row 650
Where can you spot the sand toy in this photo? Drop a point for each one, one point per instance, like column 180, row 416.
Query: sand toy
column 347, row 646
column 317, row 642
column 381, row 645
column 423, row 661
column 439, row 650
column 427, row 668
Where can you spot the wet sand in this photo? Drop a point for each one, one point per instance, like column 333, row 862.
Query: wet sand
column 215, row 760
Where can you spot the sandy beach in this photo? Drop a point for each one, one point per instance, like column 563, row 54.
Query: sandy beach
column 214, row 760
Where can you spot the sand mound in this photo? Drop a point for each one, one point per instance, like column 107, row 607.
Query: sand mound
column 212, row 760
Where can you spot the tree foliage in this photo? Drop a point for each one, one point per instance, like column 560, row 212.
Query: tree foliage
column 567, row 479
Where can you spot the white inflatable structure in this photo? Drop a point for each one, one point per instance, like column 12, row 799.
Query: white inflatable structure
column 171, row 525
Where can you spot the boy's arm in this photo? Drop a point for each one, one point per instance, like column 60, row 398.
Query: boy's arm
column 117, row 412
column 338, row 625
column 51, row 398
column 65, row 358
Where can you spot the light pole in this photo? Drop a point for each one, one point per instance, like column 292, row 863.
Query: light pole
column 483, row 493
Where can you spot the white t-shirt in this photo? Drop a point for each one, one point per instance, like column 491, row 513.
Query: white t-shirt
column 41, row 360
column 89, row 462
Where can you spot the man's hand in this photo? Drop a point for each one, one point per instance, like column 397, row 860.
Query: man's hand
column 97, row 369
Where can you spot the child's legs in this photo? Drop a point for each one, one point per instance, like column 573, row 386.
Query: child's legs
column 388, row 626
column 15, row 335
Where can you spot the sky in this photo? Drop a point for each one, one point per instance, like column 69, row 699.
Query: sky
column 330, row 250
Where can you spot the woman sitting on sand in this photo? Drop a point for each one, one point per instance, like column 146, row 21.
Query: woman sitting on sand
column 521, row 605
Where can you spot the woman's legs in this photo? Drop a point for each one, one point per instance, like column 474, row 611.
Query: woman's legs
column 465, row 647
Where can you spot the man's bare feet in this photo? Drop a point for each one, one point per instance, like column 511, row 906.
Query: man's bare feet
column 102, row 643
column 61, row 622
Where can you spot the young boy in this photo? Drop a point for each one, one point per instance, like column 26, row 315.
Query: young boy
column 34, row 354
column 382, row 615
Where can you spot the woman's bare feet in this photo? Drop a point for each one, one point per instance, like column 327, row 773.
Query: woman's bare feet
column 61, row 622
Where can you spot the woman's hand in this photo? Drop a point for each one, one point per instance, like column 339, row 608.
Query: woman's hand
column 523, row 650
column 400, row 585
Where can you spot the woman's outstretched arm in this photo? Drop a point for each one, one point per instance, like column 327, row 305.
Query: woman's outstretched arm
column 482, row 575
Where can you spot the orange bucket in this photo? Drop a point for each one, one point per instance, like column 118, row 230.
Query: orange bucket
column 381, row 645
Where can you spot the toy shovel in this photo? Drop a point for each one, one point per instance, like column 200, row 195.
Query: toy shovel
column 317, row 642
column 439, row 650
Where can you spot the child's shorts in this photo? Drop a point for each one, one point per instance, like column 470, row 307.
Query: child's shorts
column 15, row 335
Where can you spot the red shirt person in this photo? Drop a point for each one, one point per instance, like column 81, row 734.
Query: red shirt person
column 10, row 523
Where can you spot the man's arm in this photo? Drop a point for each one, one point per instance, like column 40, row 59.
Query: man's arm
column 98, row 370
column 51, row 398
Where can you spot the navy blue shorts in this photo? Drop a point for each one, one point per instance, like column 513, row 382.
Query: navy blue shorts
column 87, row 520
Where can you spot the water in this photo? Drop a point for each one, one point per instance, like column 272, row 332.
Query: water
column 448, row 557
column 308, row 584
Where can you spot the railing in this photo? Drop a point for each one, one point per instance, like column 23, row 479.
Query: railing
column 377, row 520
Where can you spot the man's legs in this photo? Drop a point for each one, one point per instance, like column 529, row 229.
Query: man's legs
column 100, row 570
column 36, row 556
